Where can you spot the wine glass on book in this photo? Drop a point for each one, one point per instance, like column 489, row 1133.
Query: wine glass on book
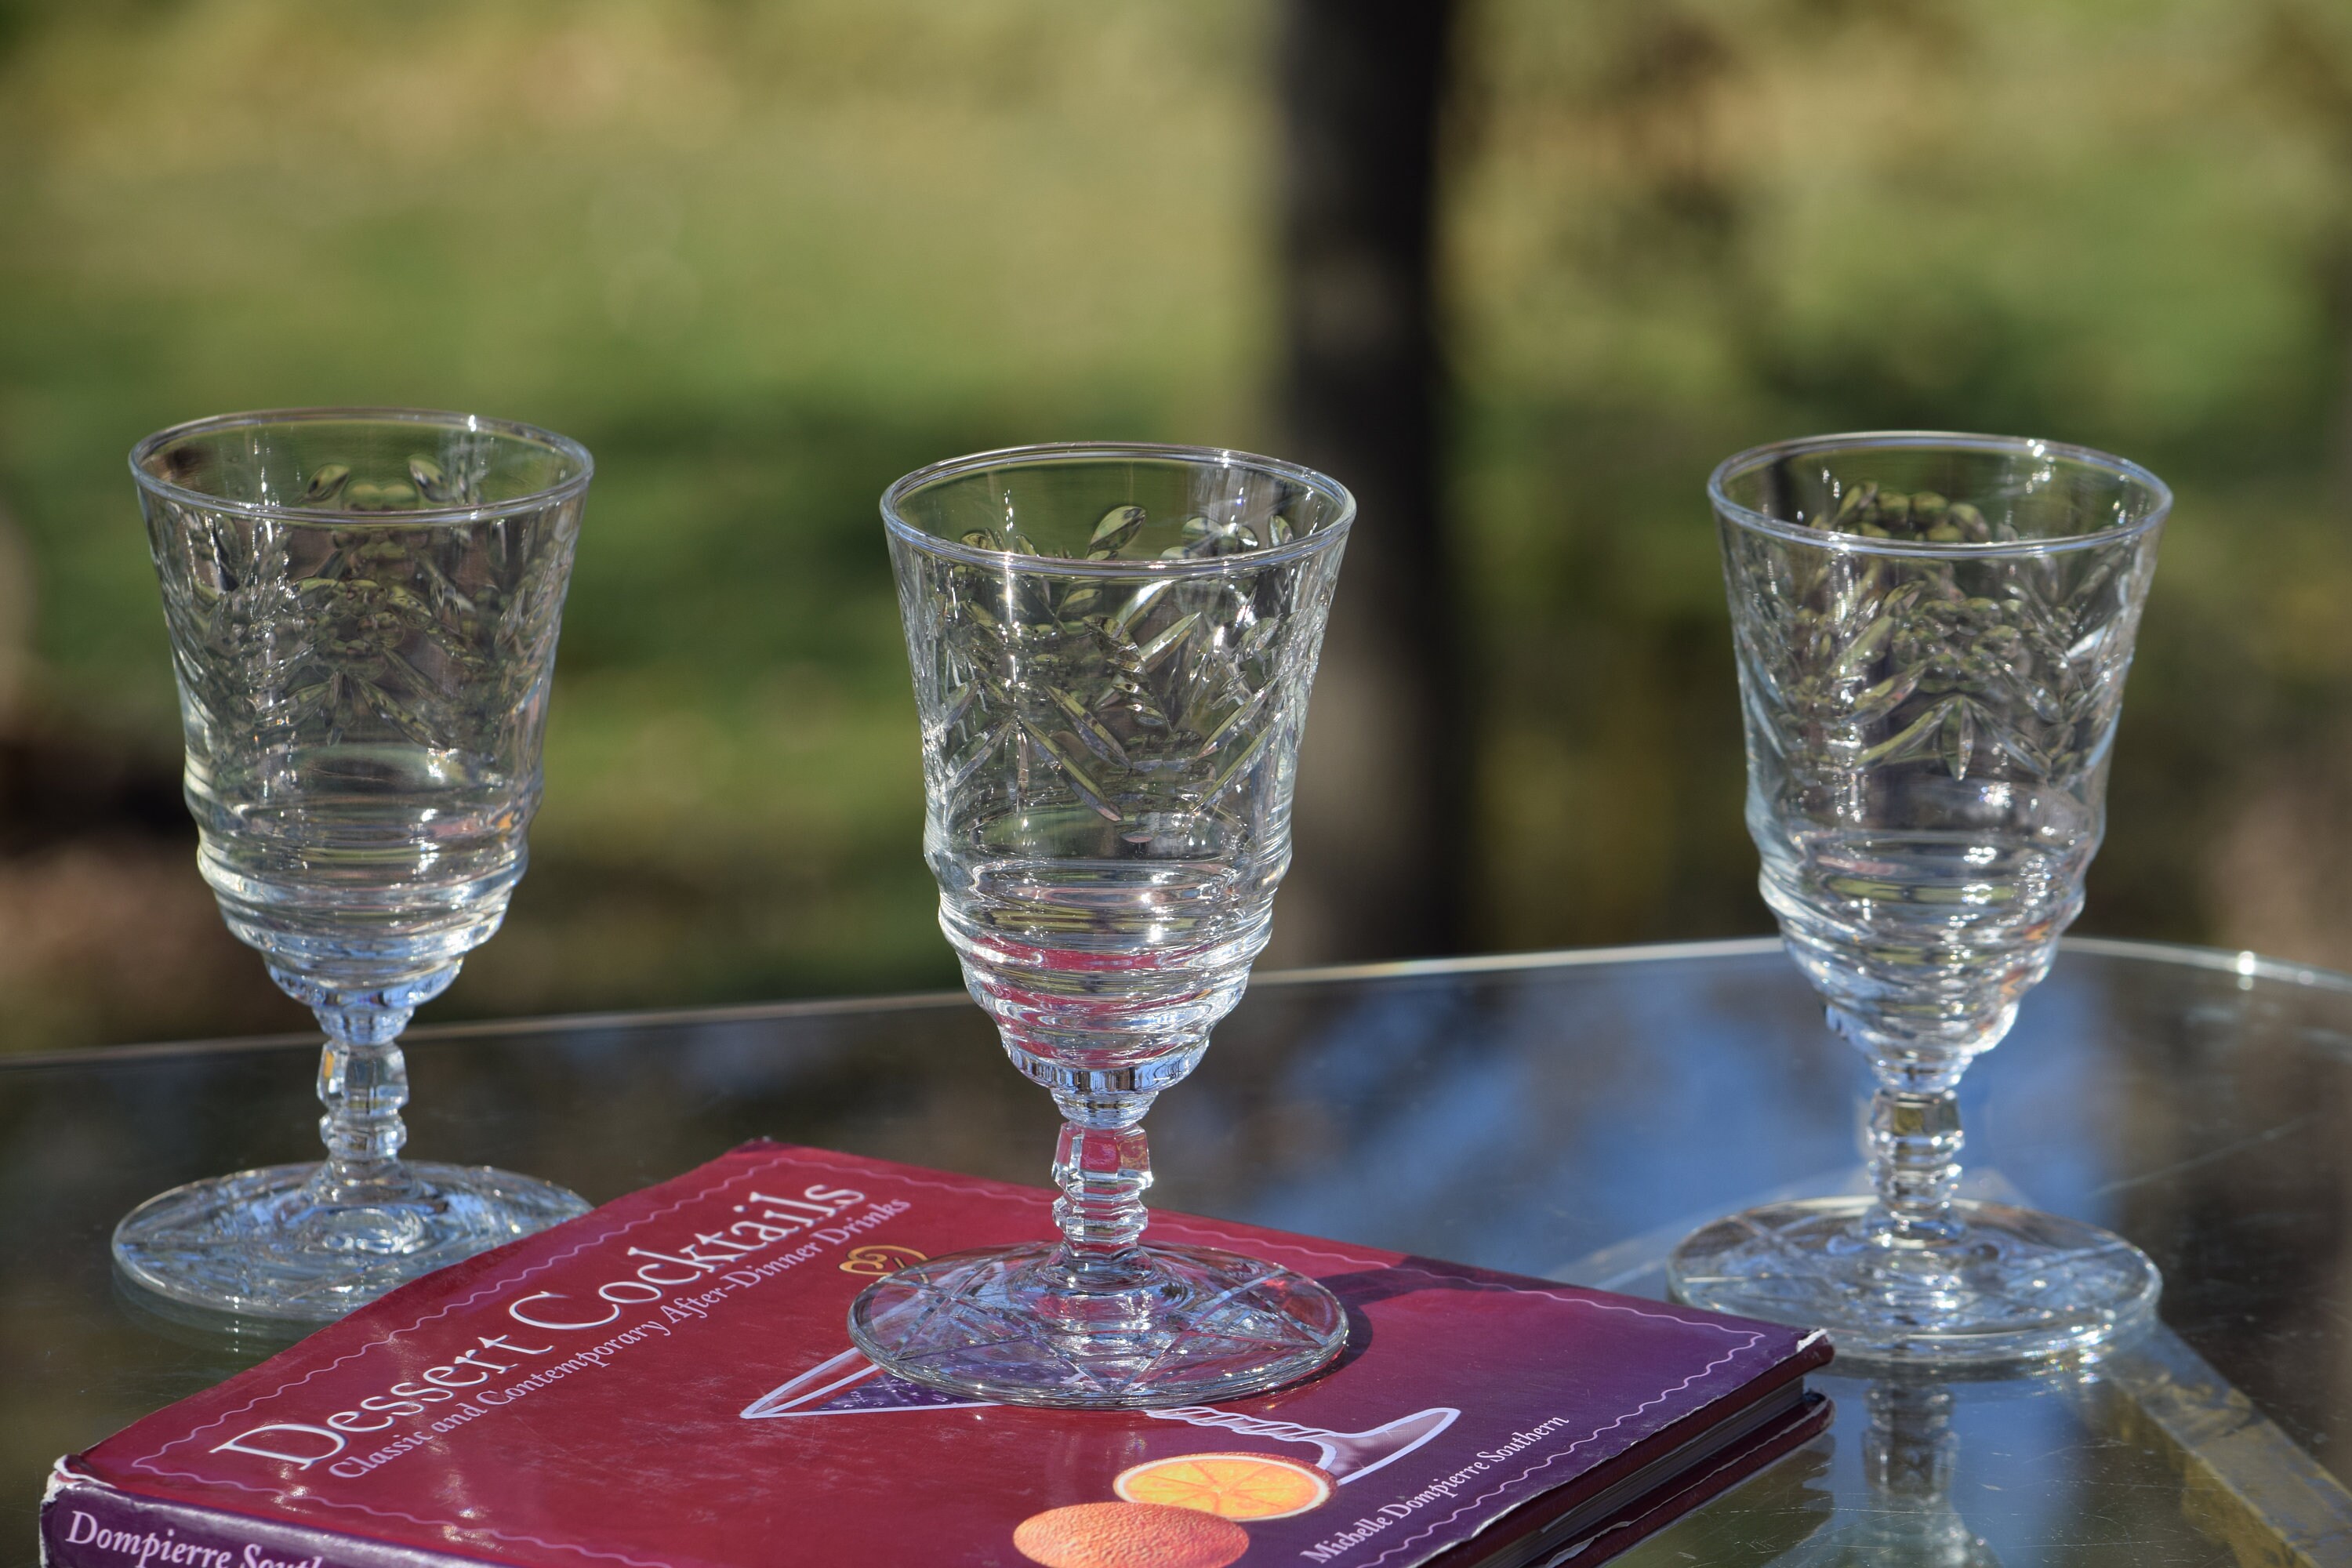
column 362, row 606
column 1112, row 646
column 1932, row 633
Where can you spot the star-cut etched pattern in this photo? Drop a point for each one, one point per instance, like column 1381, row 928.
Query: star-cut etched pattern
column 257, row 1244
column 1196, row 1325
column 1148, row 700
column 291, row 635
column 2003, row 664
column 2017, row 1285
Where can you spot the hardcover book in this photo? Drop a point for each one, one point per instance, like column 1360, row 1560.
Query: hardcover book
column 667, row 1383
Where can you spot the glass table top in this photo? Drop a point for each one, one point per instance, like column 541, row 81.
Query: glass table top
column 1567, row 1115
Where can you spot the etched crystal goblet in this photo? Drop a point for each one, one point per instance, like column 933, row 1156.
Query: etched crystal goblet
column 363, row 606
column 1112, row 647
column 1932, row 633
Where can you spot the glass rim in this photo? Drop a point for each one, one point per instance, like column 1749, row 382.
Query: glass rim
column 1330, row 534
column 535, row 435
column 1740, row 464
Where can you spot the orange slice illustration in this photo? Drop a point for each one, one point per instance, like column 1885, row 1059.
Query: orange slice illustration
column 1231, row 1486
column 1129, row 1535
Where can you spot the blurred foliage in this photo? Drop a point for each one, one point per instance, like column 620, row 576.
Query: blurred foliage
column 762, row 257
column 1683, row 226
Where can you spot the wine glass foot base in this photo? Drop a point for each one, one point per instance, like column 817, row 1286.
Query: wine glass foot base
column 1187, row 1325
column 257, row 1245
column 2015, row 1287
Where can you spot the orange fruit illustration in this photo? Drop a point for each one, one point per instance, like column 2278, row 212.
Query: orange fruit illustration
column 1129, row 1535
column 1231, row 1486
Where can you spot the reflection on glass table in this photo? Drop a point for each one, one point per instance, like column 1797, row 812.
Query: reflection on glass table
column 1571, row 1115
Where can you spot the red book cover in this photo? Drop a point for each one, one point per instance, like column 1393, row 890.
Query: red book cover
column 667, row 1383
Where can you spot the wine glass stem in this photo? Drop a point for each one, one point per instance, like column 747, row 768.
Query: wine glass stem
column 1909, row 1451
column 1914, row 1163
column 1102, row 1164
column 362, row 1082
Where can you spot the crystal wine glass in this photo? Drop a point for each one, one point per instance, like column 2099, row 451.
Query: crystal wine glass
column 1932, row 632
column 362, row 606
column 1112, row 647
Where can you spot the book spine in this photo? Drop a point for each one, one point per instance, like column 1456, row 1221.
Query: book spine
column 86, row 1523
column 1800, row 1425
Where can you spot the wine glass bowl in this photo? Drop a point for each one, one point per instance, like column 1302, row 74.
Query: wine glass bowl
column 1933, row 632
column 1112, row 649
column 363, row 606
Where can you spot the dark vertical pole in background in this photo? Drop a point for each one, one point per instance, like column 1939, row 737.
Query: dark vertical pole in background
column 1383, row 808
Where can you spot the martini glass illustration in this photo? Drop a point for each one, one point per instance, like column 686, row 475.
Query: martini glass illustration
column 1111, row 649
column 851, row 1385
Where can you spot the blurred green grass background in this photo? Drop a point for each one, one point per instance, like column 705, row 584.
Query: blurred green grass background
column 764, row 256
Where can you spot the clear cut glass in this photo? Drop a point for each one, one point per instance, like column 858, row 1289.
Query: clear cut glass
column 1932, row 633
column 1112, row 647
column 362, row 606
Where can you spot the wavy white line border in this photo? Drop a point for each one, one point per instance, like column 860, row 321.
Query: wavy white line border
column 792, row 1156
